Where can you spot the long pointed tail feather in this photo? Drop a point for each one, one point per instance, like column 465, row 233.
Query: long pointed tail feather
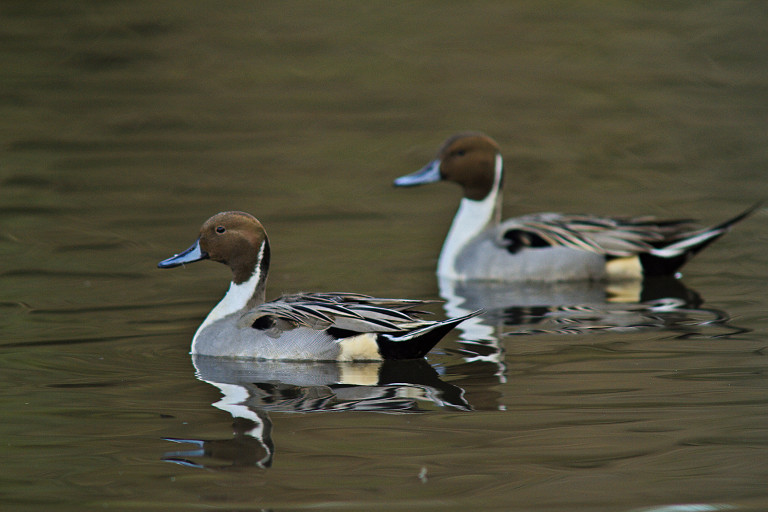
column 417, row 343
column 668, row 259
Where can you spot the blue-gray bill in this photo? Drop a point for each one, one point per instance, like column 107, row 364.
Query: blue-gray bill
column 194, row 253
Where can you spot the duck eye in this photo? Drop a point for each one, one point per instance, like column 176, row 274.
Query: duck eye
column 220, row 229
column 460, row 152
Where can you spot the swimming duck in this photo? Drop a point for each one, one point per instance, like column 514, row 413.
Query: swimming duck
column 305, row 326
column 547, row 246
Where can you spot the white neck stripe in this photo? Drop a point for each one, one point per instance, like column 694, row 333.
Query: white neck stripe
column 471, row 219
column 237, row 297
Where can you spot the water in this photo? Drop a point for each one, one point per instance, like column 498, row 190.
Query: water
column 125, row 125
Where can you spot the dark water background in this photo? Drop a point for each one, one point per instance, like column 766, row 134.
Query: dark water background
column 124, row 125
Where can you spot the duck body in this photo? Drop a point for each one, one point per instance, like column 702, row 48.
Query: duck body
column 322, row 327
column 547, row 246
column 481, row 260
column 300, row 327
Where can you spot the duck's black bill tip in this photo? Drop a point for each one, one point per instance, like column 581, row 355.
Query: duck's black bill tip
column 167, row 264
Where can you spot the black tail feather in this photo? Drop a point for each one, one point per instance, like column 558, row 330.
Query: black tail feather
column 417, row 343
column 662, row 265
column 657, row 266
column 743, row 215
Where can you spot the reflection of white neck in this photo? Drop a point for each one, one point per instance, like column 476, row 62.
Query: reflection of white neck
column 473, row 329
column 471, row 219
column 234, row 402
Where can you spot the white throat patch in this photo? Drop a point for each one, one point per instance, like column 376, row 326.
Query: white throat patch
column 470, row 220
column 236, row 298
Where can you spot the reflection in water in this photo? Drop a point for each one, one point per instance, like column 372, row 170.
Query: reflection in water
column 251, row 446
column 692, row 507
column 253, row 389
column 575, row 308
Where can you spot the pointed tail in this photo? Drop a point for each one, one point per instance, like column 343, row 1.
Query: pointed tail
column 417, row 343
column 667, row 259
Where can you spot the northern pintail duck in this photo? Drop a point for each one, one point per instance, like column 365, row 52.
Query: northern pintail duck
column 547, row 246
column 306, row 326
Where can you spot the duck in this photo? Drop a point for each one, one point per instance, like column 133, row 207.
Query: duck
column 299, row 327
column 548, row 247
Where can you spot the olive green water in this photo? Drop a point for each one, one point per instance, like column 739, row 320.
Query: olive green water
column 124, row 125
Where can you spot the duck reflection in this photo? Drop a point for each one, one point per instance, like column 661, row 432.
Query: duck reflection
column 576, row 308
column 251, row 446
column 253, row 389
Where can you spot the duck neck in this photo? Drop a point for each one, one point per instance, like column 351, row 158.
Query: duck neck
column 472, row 218
column 245, row 295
